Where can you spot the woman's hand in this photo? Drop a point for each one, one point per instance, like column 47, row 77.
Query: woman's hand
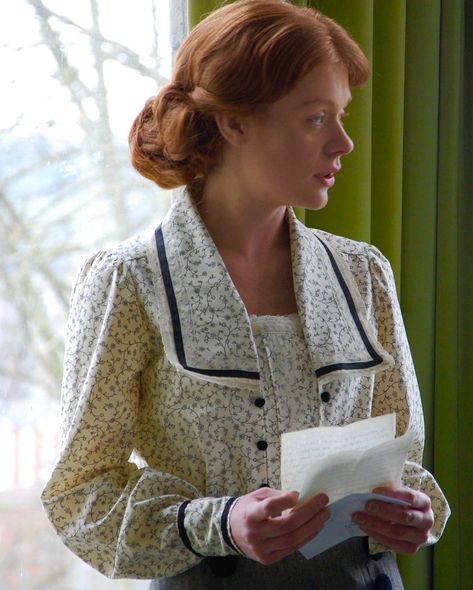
column 402, row 528
column 264, row 533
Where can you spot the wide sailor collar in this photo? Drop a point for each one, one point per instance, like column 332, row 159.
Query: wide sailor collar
column 204, row 324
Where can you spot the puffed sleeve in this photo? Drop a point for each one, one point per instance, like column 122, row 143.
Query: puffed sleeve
column 123, row 520
column 396, row 389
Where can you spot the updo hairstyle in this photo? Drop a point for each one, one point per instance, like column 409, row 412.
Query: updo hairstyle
column 239, row 59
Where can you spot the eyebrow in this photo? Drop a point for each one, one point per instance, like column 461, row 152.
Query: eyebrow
column 323, row 101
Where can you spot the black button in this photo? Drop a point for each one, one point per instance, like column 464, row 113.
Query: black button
column 264, row 485
column 377, row 556
column 259, row 402
column 382, row 582
column 262, row 445
column 325, row 396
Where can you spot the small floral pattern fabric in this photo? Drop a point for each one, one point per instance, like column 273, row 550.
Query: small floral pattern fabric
column 174, row 399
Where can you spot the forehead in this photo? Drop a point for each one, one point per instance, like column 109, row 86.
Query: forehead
column 326, row 83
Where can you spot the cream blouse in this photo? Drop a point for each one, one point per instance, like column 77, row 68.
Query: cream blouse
column 174, row 400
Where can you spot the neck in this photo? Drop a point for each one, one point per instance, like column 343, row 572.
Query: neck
column 240, row 223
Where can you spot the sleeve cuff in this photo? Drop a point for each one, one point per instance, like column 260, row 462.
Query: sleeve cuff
column 418, row 478
column 226, row 530
column 204, row 529
column 181, row 517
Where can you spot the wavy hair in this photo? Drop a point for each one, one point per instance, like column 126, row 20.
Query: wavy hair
column 240, row 58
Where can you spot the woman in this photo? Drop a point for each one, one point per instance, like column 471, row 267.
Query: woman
column 195, row 348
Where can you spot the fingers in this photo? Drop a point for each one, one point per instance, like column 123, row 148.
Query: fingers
column 300, row 532
column 267, row 526
column 277, row 546
column 403, row 515
column 292, row 526
column 399, row 546
column 377, row 528
column 403, row 528
column 416, row 499
column 274, row 505
column 418, row 514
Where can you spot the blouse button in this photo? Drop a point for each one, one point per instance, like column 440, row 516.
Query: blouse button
column 382, row 582
column 262, row 445
column 325, row 396
column 259, row 402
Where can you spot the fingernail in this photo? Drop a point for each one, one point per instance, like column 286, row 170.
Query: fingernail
column 325, row 515
column 358, row 518
column 323, row 500
column 379, row 490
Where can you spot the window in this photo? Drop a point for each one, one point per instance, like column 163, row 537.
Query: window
column 75, row 74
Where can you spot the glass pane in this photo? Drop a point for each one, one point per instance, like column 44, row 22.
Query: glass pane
column 74, row 75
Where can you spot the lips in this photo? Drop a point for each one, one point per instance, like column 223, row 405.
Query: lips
column 330, row 172
column 327, row 179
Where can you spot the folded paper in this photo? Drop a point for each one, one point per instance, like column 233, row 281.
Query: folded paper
column 346, row 463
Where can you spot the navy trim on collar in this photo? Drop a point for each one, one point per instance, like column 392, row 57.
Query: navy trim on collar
column 176, row 322
column 376, row 358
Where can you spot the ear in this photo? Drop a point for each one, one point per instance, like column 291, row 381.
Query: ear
column 232, row 128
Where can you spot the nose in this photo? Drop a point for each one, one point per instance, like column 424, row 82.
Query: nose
column 340, row 143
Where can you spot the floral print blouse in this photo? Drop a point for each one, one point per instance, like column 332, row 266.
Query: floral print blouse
column 173, row 401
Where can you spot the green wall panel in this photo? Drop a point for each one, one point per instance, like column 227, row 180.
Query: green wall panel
column 465, row 318
column 198, row 9
column 419, row 225
column 448, row 399
column 388, row 130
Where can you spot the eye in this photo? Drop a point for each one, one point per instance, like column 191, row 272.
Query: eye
column 319, row 119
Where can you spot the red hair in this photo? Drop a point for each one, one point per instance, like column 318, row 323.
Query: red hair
column 240, row 58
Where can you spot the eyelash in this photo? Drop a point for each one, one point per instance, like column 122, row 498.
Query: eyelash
column 320, row 119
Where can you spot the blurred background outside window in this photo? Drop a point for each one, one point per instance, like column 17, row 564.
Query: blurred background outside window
column 73, row 77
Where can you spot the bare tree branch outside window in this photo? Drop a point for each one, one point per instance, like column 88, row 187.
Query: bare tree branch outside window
column 74, row 75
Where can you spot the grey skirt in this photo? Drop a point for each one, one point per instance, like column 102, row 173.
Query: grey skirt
column 347, row 566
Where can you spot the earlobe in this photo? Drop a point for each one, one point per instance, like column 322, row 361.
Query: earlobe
column 231, row 128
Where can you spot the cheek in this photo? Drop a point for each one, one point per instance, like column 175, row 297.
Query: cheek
column 295, row 151
column 281, row 153
column 304, row 144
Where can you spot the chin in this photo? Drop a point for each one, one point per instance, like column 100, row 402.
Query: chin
column 316, row 204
